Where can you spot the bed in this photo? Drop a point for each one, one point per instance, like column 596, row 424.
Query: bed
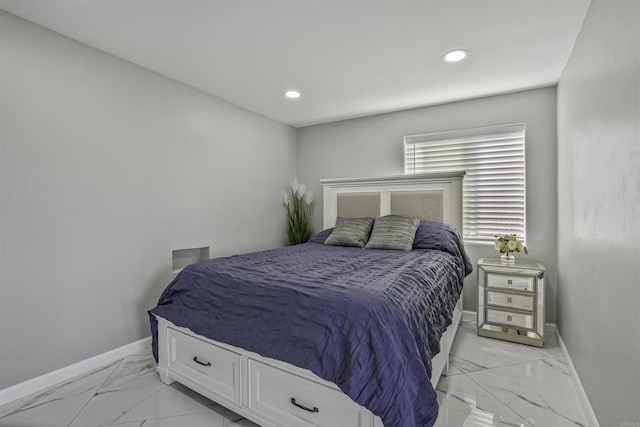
column 296, row 336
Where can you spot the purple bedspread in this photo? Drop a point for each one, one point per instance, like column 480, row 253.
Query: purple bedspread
column 368, row 320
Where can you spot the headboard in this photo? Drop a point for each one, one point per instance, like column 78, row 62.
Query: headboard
column 434, row 197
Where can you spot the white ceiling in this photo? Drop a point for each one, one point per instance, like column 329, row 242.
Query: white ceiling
column 349, row 58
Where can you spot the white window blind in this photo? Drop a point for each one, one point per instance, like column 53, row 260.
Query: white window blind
column 493, row 192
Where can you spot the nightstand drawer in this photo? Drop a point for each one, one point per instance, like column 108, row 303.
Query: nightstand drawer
column 510, row 282
column 510, row 319
column 521, row 302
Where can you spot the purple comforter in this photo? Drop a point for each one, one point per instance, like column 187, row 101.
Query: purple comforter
column 368, row 320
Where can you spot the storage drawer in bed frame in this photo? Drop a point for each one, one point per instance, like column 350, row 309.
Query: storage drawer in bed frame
column 267, row 391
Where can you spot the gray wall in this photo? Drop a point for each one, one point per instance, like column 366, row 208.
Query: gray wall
column 372, row 146
column 599, row 209
column 106, row 167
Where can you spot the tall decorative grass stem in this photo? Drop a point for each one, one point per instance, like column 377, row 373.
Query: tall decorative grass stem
column 298, row 202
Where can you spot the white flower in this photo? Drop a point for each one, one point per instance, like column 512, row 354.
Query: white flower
column 499, row 245
column 301, row 190
column 511, row 245
column 295, row 187
column 308, row 197
column 286, row 200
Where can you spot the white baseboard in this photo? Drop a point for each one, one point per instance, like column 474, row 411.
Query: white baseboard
column 592, row 421
column 468, row 316
column 45, row 381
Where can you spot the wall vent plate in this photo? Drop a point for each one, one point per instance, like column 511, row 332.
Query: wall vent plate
column 180, row 258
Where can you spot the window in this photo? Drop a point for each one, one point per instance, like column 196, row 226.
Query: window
column 493, row 191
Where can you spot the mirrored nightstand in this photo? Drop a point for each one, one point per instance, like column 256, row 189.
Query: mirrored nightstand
column 511, row 301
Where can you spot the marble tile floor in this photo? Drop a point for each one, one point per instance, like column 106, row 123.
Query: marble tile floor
column 490, row 383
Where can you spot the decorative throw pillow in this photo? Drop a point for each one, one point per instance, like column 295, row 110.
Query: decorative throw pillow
column 350, row 232
column 434, row 235
column 321, row 236
column 441, row 237
column 393, row 232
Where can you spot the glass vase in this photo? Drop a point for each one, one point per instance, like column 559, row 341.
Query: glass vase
column 507, row 258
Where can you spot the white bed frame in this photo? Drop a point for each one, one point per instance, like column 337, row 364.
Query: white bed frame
column 276, row 394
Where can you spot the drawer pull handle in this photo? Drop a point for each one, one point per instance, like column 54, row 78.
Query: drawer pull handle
column 293, row 402
column 509, row 318
column 509, row 282
column 509, row 299
column 195, row 359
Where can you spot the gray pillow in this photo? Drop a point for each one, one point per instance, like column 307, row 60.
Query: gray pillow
column 393, row 232
column 350, row 232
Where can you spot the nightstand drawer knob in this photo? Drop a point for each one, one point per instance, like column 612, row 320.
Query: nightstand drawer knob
column 509, row 300
column 510, row 282
column 509, row 318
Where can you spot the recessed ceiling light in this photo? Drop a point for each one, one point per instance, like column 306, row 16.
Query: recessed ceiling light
column 455, row 55
column 292, row 94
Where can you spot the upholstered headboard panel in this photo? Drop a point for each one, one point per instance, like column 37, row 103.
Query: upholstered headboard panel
column 418, row 204
column 434, row 197
column 358, row 204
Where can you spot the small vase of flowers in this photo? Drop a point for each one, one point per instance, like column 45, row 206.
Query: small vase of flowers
column 506, row 244
column 298, row 201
